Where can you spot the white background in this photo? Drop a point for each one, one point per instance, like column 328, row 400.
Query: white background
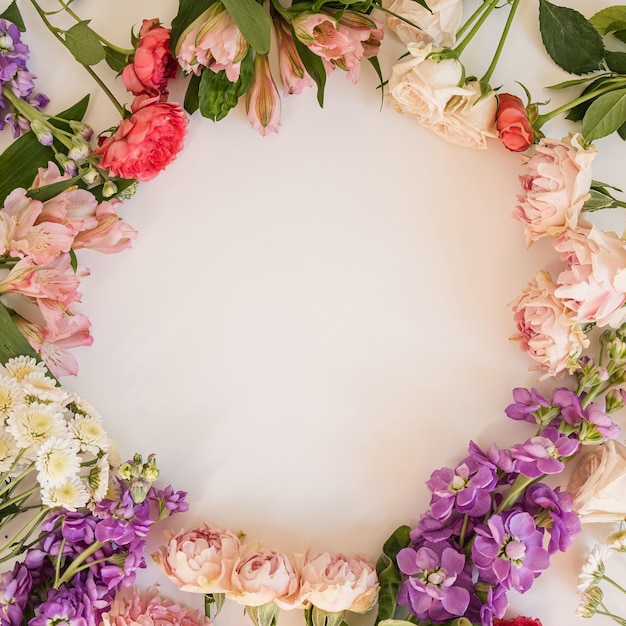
column 310, row 323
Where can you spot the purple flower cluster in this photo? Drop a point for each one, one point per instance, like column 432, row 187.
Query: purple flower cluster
column 14, row 76
column 52, row 584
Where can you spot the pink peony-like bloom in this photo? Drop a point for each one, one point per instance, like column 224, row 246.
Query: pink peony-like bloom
column 321, row 35
column 556, row 187
column 336, row 583
column 212, row 40
column 145, row 143
column 263, row 99
column 150, row 609
column 292, row 71
column 201, row 560
column 153, row 65
column 266, row 577
column 546, row 330
column 594, row 284
column 110, row 234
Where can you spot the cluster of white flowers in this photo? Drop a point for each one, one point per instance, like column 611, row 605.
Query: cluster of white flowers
column 49, row 429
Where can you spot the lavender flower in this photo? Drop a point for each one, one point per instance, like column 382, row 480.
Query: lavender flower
column 527, row 403
column 15, row 588
column 541, row 455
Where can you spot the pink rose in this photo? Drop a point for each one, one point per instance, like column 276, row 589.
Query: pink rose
column 263, row 578
column 556, row 187
column 336, row 583
column 152, row 65
column 201, row 560
column 146, row 142
column 594, row 284
column 514, row 129
column 546, row 329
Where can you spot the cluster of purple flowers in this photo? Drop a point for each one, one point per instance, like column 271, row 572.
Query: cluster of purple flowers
column 82, row 559
column 15, row 77
column 492, row 524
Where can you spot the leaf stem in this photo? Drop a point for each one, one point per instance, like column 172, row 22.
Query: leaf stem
column 496, row 57
column 487, row 11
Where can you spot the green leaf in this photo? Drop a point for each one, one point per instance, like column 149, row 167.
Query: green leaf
column 12, row 342
column 313, row 65
column 50, row 191
column 192, row 102
column 608, row 20
column 605, row 115
column 578, row 112
column 84, row 44
column 572, row 42
column 188, row 11
column 115, row 59
column 616, row 61
column 621, row 35
column 570, row 83
column 597, row 201
column 389, row 576
column 12, row 14
column 621, row 131
column 253, row 21
column 376, row 65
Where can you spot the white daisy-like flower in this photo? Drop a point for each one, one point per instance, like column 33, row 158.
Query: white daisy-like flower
column 8, row 451
column 21, row 366
column 98, row 479
column 11, row 396
column 589, row 601
column 89, row 434
column 41, row 388
column 85, row 409
column 71, row 495
column 57, row 461
column 592, row 570
column 34, row 424
column 617, row 539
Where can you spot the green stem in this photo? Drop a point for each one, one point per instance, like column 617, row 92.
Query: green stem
column 470, row 20
column 507, row 27
column 461, row 46
column 615, row 584
column 463, row 530
column 280, row 9
column 22, row 496
column 77, row 562
column 15, row 481
column 19, row 540
column 517, row 488
column 615, row 618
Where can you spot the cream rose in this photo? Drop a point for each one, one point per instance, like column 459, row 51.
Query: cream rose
column 437, row 26
column 201, row 560
column 598, row 484
column 336, row 583
column 545, row 330
column 556, row 187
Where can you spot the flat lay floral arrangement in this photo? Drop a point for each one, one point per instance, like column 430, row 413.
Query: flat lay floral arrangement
column 76, row 517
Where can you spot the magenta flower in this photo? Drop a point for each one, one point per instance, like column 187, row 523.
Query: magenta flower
column 526, row 403
column 542, row 454
column 15, row 587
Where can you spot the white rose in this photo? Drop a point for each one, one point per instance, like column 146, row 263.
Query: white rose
column 438, row 27
column 598, row 484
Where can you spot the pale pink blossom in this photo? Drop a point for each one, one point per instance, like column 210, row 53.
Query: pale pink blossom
column 263, row 99
column 201, row 560
column 336, row 583
column 133, row 608
column 265, row 577
column 292, row 71
column 546, row 329
column 111, row 234
column 556, row 187
column 212, row 40
column 321, row 34
column 49, row 175
column 593, row 285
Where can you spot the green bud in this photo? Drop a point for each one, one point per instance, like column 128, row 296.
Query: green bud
column 109, row 189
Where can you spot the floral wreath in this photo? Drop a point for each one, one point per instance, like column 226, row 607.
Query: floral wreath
column 493, row 522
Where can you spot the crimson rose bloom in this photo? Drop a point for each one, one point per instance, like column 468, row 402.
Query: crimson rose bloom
column 520, row 620
column 512, row 123
column 153, row 65
column 146, row 142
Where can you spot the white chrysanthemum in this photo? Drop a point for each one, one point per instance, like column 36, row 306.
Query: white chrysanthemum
column 21, row 366
column 85, row 409
column 592, row 570
column 57, row 461
column 89, row 434
column 99, row 479
column 34, row 424
column 11, row 396
column 71, row 495
column 41, row 388
column 589, row 601
column 8, row 451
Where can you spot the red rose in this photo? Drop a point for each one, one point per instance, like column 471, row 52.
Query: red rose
column 146, row 142
column 520, row 620
column 512, row 123
column 153, row 65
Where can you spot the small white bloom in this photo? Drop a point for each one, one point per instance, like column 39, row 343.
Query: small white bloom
column 617, row 539
column 71, row 495
column 89, row 434
column 99, row 479
column 21, row 366
column 11, row 396
column 592, row 570
column 85, row 409
column 34, row 424
column 57, row 461
column 8, row 451
column 42, row 388
column 589, row 601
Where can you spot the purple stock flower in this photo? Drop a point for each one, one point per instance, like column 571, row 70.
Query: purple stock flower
column 507, row 551
column 433, row 529
column 494, row 457
column 169, row 501
column 15, row 588
column 526, row 403
column 494, row 606
column 539, row 455
column 439, row 581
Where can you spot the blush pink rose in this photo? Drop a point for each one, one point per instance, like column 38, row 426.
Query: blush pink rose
column 265, row 577
column 153, row 65
column 513, row 126
column 593, row 285
column 336, row 583
column 556, row 187
column 145, row 143
column 546, row 330
column 201, row 560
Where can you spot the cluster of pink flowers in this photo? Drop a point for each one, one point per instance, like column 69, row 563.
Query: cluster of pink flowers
column 36, row 240
column 214, row 561
column 553, row 315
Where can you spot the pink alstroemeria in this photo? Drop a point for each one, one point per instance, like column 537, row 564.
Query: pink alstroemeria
column 292, row 71
column 321, row 34
column 111, row 234
column 263, row 100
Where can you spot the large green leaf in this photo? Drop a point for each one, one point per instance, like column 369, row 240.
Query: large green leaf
column 115, row 59
column 610, row 19
column 389, row 576
column 188, row 11
column 192, row 102
column 616, row 61
column 253, row 21
column 12, row 14
column 578, row 112
column 12, row 342
column 570, row 39
column 84, row 44
column 605, row 115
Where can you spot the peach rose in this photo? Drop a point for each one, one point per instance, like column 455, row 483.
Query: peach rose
column 545, row 329
column 263, row 578
column 556, row 187
column 201, row 560
column 336, row 583
column 594, row 284
column 598, row 484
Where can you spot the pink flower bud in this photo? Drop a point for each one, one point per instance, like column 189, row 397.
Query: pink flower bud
column 263, row 100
